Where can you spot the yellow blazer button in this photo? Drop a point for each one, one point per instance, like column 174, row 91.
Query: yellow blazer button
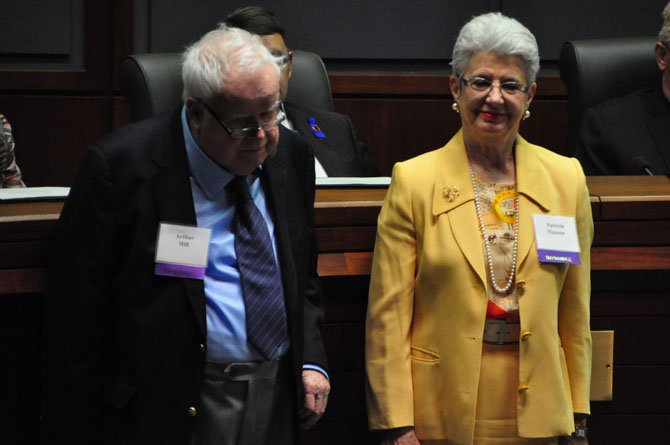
column 524, row 387
column 520, row 288
column 526, row 335
column 202, row 347
column 191, row 411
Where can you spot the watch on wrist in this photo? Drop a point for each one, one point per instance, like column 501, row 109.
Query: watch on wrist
column 580, row 432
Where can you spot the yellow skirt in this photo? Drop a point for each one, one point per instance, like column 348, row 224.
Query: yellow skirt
column 495, row 421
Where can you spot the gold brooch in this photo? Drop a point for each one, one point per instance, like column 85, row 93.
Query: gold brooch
column 450, row 193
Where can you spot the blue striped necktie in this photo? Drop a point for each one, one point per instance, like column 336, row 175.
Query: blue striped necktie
column 261, row 282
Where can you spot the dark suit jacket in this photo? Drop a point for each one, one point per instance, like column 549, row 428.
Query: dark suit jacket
column 618, row 130
column 340, row 153
column 124, row 347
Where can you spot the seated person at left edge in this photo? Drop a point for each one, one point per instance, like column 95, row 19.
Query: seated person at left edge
column 10, row 174
column 184, row 306
column 332, row 136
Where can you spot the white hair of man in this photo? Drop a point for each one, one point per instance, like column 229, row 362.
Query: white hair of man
column 218, row 57
column 496, row 33
column 664, row 34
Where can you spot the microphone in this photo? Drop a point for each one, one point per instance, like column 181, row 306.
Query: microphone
column 642, row 165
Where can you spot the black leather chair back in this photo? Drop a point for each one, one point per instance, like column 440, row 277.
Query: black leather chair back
column 152, row 83
column 600, row 69
column 309, row 85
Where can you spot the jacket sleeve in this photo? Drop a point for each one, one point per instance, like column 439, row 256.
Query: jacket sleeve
column 390, row 309
column 574, row 305
column 77, row 316
column 314, row 350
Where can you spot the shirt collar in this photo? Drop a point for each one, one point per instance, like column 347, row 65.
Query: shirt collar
column 210, row 176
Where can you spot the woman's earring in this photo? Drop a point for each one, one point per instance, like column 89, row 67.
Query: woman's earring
column 454, row 107
column 526, row 114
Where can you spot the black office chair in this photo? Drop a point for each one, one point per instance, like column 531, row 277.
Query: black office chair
column 152, row 83
column 600, row 69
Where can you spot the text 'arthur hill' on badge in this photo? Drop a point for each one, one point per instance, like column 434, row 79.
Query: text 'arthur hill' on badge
column 557, row 240
column 181, row 251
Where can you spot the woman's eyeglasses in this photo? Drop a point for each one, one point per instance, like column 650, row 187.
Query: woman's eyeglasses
column 483, row 84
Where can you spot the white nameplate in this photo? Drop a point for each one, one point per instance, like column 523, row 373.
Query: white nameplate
column 181, row 251
column 557, row 240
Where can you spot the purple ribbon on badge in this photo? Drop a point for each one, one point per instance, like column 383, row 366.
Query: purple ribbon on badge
column 180, row 271
column 556, row 256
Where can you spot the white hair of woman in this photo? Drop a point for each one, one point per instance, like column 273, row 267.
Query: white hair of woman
column 496, row 33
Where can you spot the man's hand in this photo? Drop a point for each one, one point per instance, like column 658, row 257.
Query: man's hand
column 317, row 388
column 399, row 436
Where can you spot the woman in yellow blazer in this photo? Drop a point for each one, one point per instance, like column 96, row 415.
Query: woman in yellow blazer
column 470, row 338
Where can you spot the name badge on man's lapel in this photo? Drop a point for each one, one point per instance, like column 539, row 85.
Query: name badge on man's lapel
column 181, row 251
column 557, row 240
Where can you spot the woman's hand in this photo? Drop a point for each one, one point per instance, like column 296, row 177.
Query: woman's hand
column 399, row 436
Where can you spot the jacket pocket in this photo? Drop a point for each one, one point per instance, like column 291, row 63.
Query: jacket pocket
column 424, row 355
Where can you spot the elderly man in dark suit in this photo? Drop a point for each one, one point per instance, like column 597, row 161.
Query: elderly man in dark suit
column 630, row 135
column 332, row 136
column 184, row 306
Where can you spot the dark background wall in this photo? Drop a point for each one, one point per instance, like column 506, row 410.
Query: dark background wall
column 374, row 30
column 387, row 59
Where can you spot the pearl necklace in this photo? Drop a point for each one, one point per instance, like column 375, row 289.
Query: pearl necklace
column 487, row 247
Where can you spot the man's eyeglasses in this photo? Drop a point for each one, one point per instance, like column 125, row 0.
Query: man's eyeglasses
column 269, row 120
column 483, row 84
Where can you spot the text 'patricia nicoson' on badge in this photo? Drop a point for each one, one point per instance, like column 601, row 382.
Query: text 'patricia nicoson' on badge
column 557, row 240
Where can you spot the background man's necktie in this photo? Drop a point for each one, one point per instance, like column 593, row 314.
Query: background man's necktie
column 261, row 282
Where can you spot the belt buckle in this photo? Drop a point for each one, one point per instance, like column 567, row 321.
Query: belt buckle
column 501, row 330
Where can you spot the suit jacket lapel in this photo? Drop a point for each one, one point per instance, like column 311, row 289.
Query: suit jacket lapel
column 453, row 195
column 453, row 177
column 657, row 121
column 533, row 193
column 174, row 202
column 275, row 177
column 323, row 150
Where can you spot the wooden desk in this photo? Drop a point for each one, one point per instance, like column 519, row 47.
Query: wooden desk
column 631, row 295
column 631, row 214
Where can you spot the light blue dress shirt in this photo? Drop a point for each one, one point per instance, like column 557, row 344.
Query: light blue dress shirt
column 215, row 209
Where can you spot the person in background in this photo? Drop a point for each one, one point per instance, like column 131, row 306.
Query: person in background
column 184, row 305
column 9, row 171
column 332, row 136
column 475, row 332
column 630, row 135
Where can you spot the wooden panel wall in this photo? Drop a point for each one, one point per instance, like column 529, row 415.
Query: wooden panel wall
column 60, row 103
